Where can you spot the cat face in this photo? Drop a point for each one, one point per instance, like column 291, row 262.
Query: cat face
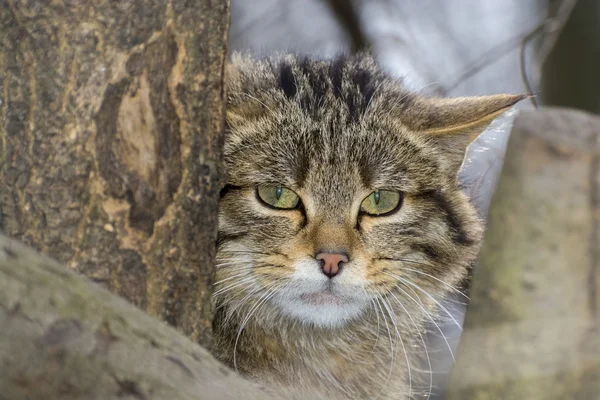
column 341, row 191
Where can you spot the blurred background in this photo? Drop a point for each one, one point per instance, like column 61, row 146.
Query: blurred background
column 550, row 48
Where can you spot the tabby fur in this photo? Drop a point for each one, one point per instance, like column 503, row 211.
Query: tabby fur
column 334, row 131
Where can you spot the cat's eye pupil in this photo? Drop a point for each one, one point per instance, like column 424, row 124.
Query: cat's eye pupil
column 381, row 202
column 278, row 196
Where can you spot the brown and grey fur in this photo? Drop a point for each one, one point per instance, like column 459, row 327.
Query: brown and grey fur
column 334, row 131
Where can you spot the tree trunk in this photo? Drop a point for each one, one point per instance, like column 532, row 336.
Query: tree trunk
column 110, row 144
column 65, row 339
column 533, row 324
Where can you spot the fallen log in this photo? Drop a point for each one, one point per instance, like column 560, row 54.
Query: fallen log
column 64, row 338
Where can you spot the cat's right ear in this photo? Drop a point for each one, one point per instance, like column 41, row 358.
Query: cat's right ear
column 451, row 124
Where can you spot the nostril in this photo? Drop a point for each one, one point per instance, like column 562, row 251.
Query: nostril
column 331, row 263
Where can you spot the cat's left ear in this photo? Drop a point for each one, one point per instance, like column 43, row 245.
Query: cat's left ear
column 453, row 123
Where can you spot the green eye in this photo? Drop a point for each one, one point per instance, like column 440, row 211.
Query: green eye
column 278, row 196
column 381, row 202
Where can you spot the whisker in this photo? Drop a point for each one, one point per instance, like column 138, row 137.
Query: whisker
column 392, row 352
column 437, row 279
column 246, row 252
column 430, row 318
column 378, row 325
column 390, row 312
column 244, row 267
column 441, row 306
column 386, row 324
column 234, row 276
column 238, row 262
column 359, row 357
column 234, row 285
column 248, row 280
column 241, row 303
column 455, row 289
column 270, row 293
column 422, row 341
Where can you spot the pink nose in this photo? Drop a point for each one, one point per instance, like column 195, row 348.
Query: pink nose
column 331, row 263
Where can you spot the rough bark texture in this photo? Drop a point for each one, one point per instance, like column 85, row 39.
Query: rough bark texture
column 63, row 338
column 533, row 325
column 111, row 117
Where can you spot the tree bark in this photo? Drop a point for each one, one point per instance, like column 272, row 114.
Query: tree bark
column 110, row 144
column 63, row 338
column 533, row 324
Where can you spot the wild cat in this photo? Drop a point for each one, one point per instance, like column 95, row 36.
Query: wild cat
column 342, row 226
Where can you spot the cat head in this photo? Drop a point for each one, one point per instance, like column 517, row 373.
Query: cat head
column 342, row 189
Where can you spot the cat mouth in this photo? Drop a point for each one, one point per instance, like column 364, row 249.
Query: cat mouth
column 324, row 306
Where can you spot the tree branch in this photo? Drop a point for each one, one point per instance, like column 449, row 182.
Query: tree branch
column 65, row 338
column 347, row 15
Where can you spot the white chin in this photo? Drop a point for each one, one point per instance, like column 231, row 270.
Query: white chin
column 322, row 309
